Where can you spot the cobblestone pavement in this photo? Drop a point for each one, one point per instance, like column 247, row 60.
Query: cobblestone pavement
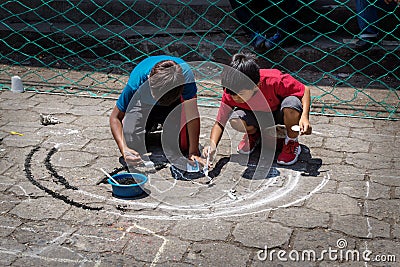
column 340, row 202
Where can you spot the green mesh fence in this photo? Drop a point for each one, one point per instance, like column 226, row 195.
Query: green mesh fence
column 89, row 47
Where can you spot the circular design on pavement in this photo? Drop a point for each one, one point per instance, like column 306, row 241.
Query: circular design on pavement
column 282, row 187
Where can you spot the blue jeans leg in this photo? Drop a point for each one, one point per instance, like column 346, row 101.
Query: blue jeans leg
column 367, row 16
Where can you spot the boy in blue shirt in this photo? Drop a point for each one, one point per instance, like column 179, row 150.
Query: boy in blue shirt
column 160, row 88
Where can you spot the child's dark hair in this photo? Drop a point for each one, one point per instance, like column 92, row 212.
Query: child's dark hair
column 232, row 77
column 166, row 82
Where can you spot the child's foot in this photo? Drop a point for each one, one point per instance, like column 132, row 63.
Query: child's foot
column 248, row 143
column 290, row 153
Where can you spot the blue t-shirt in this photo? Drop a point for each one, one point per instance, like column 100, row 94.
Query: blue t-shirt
column 139, row 76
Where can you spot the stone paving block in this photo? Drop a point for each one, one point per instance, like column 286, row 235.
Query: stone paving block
column 59, row 130
column 346, row 144
column 113, row 259
column 301, row 217
column 5, row 165
column 40, row 209
column 386, row 248
column 9, row 104
column 361, row 226
column 217, row 254
column 332, row 130
column 318, row 119
column 374, row 135
column 352, row 122
column 334, row 203
column 8, row 225
column 10, row 250
column 81, row 176
column 98, row 133
column 261, row 234
column 8, row 202
column 91, row 121
column 27, row 190
column 21, row 126
column 312, row 141
column 396, row 231
column 390, row 129
column 369, row 161
column 98, row 240
column 328, row 157
column 67, row 142
column 103, row 148
column 144, row 247
column 17, row 96
column 27, row 140
column 384, row 208
column 386, row 177
column 145, row 226
column 397, row 192
column 56, row 256
column 197, row 230
column 42, row 235
column 83, row 101
column 88, row 217
column 319, row 240
column 4, row 186
column 48, row 98
column 86, row 195
column 362, row 189
column 385, row 148
column 87, row 110
column 342, row 172
column 108, row 163
column 53, row 107
column 70, row 159
column 173, row 251
column 259, row 217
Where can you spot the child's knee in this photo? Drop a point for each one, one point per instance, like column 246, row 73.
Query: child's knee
column 238, row 124
column 291, row 112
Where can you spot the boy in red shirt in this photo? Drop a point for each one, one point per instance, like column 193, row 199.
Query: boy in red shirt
column 261, row 91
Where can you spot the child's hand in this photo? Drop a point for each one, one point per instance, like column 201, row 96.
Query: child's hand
column 209, row 152
column 194, row 158
column 305, row 126
column 132, row 157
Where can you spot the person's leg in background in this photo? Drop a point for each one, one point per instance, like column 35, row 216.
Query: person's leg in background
column 246, row 13
column 368, row 18
column 285, row 24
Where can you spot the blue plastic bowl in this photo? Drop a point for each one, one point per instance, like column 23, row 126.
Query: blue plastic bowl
column 128, row 191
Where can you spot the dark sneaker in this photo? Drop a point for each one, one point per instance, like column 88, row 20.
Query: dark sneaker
column 365, row 41
column 258, row 41
column 290, row 153
column 248, row 143
column 273, row 41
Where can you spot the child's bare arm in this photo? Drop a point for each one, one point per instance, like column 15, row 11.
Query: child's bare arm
column 305, row 126
column 116, row 118
column 215, row 136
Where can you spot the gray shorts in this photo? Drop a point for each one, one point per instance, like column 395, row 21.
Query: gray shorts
column 250, row 117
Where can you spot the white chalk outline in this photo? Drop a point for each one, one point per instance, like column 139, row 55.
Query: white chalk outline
column 63, row 235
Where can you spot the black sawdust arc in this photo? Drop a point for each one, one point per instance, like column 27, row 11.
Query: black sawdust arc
column 28, row 173
column 54, row 173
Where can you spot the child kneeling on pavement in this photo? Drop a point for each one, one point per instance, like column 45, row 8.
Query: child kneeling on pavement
column 263, row 91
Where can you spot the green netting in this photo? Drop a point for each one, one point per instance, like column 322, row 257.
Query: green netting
column 89, row 47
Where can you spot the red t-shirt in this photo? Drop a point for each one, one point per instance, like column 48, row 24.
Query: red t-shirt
column 274, row 86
